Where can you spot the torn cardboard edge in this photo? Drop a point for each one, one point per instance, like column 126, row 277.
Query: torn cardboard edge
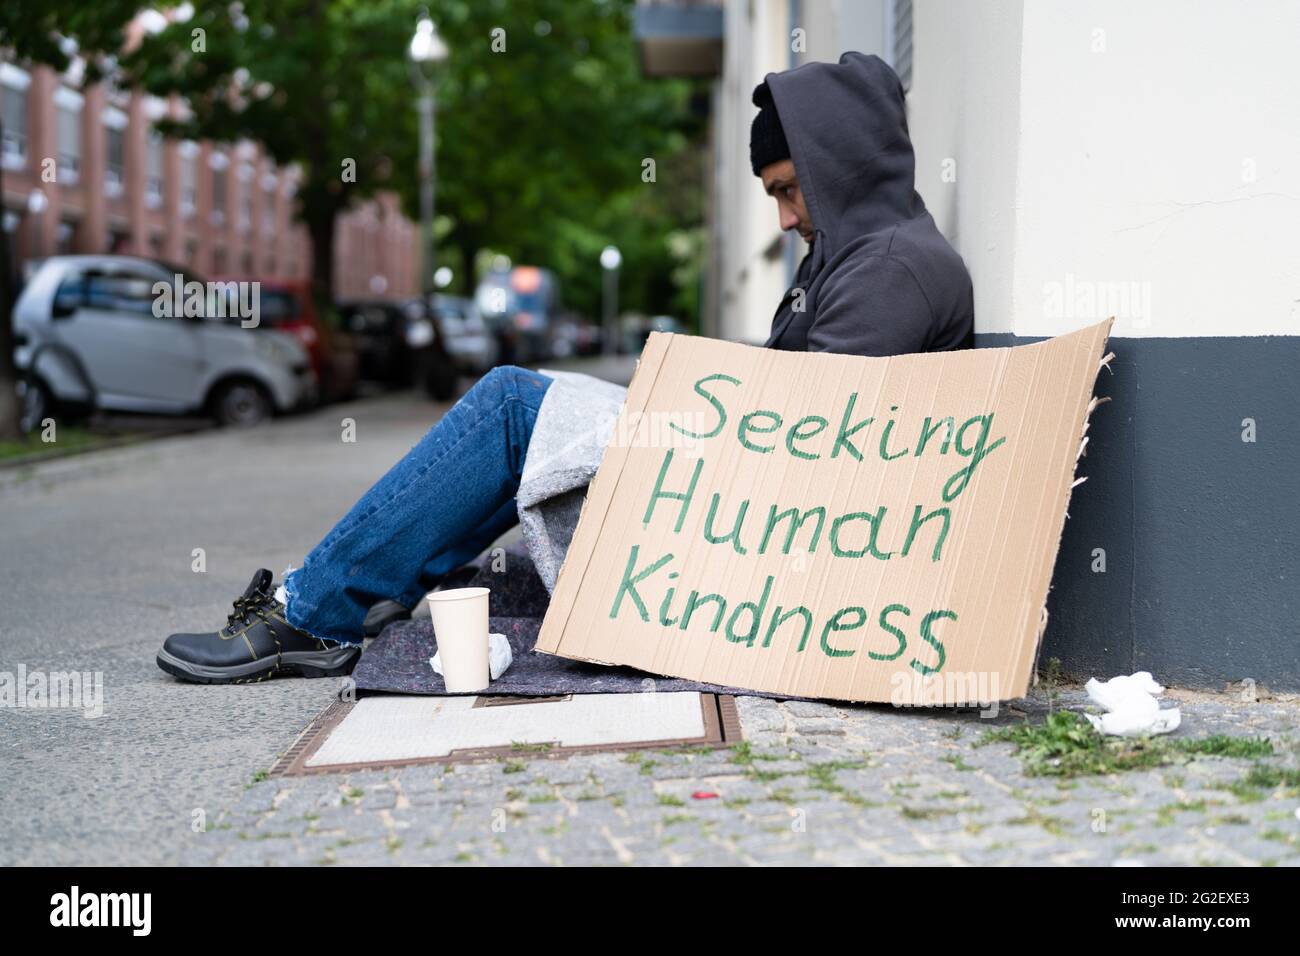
column 1040, row 393
column 1083, row 450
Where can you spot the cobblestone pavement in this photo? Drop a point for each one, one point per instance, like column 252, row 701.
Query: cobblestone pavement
column 812, row 784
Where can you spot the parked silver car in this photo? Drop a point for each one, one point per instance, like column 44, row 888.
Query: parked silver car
column 101, row 332
column 466, row 335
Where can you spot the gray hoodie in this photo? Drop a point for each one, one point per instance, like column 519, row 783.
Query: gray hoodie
column 879, row 279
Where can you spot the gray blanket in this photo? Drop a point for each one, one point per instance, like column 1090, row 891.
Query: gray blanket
column 573, row 427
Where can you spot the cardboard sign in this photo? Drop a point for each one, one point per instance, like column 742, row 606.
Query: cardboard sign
column 868, row 529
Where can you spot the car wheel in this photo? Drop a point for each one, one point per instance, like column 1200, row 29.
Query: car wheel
column 240, row 404
column 34, row 404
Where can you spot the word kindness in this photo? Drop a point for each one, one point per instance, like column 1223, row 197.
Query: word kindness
column 872, row 532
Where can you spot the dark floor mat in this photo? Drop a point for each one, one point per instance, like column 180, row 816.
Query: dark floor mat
column 398, row 661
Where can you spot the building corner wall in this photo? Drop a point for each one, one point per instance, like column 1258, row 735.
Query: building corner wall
column 964, row 115
column 1138, row 160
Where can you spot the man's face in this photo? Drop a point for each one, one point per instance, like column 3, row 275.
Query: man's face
column 782, row 184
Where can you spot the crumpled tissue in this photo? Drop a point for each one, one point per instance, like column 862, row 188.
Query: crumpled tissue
column 499, row 656
column 1131, row 706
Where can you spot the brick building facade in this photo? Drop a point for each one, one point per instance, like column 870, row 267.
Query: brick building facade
column 85, row 171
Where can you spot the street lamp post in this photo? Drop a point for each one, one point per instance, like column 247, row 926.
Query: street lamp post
column 610, row 260
column 37, row 203
column 426, row 53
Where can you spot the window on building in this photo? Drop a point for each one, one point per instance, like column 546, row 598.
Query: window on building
column 65, row 238
column 219, row 260
column 115, row 160
column 269, row 194
column 189, row 178
column 220, row 179
column 153, row 175
column 10, row 223
column 14, row 146
column 69, row 159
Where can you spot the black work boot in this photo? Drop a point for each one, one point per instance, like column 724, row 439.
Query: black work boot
column 256, row 643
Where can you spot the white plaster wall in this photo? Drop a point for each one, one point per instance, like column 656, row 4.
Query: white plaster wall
column 964, row 117
column 1160, row 157
column 837, row 26
column 751, row 283
column 1140, row 159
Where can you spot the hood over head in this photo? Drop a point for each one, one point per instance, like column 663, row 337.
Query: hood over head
column 846, row 124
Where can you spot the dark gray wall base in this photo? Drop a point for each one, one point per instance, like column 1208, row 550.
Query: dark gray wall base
column 1200, row 529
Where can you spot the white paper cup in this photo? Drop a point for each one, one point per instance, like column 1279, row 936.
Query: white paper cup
column 460, row 624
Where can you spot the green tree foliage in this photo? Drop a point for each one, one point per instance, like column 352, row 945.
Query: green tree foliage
column 37, row 31
column 544, row 122
column 542, row 145
column 319, row 83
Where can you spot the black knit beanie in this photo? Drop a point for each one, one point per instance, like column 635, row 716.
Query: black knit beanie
column 767, row 143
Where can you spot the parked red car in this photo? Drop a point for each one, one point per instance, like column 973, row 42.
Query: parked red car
column 286, row 305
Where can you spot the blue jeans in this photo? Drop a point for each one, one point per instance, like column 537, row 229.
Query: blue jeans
column 439, row 507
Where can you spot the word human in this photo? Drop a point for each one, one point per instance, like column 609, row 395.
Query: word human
column 783, row 527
